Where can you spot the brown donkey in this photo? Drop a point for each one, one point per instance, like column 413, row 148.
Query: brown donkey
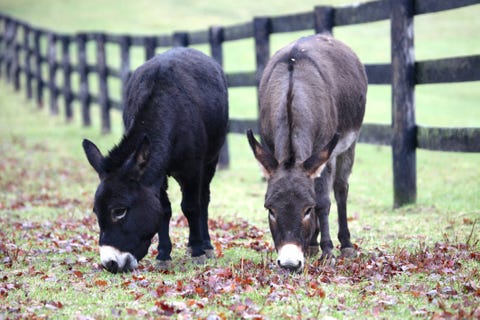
column 312, row 102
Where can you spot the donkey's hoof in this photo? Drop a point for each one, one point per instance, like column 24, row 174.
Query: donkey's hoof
column 200, row 259
column 327, row 259
column 164, row 265
column 348, row 252
column 210, row 253
column 313, row 250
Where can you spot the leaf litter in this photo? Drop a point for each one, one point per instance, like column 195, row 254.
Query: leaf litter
column 249, row 286
column 232, row 288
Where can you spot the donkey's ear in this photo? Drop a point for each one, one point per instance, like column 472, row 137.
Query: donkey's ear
column 316, row 163
column 141, row 158
column 94, row 156
column 267, row 161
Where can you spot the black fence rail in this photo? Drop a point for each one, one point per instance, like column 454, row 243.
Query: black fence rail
column 41, row 56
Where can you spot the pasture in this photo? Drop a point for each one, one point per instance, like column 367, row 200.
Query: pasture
column 422, row 260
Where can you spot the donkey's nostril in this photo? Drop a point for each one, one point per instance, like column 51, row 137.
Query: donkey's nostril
column 291, row 266
column 130, row 263
column 112, row 266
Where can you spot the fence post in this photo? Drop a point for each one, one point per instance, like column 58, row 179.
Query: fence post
column 150, row 44
column 261, row 33
column 403, row 104
column 67, row 71
column 180, row 39
column 125, row 43
column 38, row 66
column 52, row 71
column 3, row 42
column 84, row 95
column 28, row 60
column 12, row 53
column 215, row 35
column 9, row 36
column 103, row 83
column 323, row 17
column 15, row 58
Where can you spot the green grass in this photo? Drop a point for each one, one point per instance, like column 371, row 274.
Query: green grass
column 49, row 234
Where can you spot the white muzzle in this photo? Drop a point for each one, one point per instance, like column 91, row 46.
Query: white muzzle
column 290, row 256
column 116, row 261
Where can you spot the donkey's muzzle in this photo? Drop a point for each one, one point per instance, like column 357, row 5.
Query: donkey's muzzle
column 116, row 261
column 290, row 257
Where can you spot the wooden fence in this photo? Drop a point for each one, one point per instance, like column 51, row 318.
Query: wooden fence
column 22, row 53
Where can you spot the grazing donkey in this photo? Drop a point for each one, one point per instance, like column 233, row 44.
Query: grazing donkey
column 175, row 116
column 312, row 101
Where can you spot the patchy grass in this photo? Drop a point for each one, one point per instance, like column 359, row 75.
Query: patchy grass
column 421, row 260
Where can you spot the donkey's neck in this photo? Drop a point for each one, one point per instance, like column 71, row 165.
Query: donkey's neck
column 158, row 159
column 122, row 152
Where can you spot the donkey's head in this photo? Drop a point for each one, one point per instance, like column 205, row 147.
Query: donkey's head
column 128, row 209
column 291, row 201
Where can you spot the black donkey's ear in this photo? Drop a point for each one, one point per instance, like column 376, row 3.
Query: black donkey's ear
column 94, row 156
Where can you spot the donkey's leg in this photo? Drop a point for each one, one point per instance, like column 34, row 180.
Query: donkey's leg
column 313, row 244
column 340, row 188
column 191, row 186
column 209, row 172
column 164, row 243
column 322, row 188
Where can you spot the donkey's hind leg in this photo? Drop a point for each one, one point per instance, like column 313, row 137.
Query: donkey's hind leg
column 340, row 189
column 209, row 172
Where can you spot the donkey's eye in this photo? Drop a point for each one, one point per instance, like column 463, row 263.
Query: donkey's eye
column 307, row 212
column 118, row 213
column 271, row 214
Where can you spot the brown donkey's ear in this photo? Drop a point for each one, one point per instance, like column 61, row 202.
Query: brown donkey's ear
column 267, row 161
column 94, row 156
column 315, row 164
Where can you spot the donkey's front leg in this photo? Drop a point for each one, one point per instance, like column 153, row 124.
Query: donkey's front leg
column 322, row 187
column 313, row 244
column 164, row 243
column 192, row 210
column 326, row 243
column 340, row 188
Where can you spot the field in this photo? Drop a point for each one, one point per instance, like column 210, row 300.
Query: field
column 422, row 260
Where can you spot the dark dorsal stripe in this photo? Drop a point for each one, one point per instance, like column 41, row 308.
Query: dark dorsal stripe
column 290, row 162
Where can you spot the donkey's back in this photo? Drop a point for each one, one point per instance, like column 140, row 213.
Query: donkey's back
column 180, row 86
column 328, row 85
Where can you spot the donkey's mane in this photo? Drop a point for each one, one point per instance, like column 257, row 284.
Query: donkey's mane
column 120, row 153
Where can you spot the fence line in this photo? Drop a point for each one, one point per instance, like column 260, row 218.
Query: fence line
column 404, row 135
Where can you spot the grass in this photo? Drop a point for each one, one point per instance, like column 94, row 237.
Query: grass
column 48, row 237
